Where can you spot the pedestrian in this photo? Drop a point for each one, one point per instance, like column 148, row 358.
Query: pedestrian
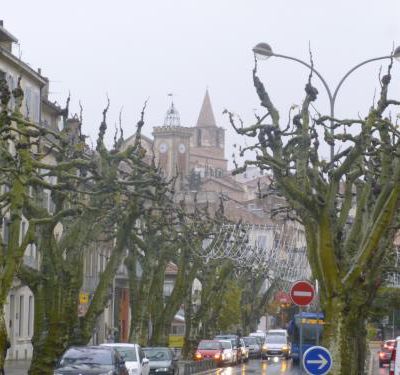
column 110, row 336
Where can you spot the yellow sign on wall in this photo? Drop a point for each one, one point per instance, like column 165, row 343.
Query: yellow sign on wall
column 83, row 298
column 175, row 342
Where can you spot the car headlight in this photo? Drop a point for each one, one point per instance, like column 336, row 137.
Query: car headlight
column 285, row 347
column 162, row 369
column 265, row 347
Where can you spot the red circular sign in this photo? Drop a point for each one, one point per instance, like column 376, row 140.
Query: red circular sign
column 302, row 293
column 282, row 297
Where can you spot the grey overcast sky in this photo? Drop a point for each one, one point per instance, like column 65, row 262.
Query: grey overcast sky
column 134, row 50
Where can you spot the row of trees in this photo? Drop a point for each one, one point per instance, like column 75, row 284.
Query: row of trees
column 113, row 198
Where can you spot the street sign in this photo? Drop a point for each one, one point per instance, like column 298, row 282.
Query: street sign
column 302, row 293
column 282, row 297
column 83, row 298
column 317, row 360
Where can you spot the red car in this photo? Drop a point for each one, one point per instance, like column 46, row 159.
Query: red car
column 386, row 352
column 209, row 349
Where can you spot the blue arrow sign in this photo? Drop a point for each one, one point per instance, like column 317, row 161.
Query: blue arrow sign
column 317, row 360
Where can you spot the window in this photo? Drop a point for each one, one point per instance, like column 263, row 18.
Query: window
column 12, row 84
column 21, row 316
column 198, row 137
column 178, row 330
column 30, row 315
column 168, row 288
column 6, row 230
column 32, row 103
column 23, row 231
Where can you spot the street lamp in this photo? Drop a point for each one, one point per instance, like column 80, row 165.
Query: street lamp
column 263, row 51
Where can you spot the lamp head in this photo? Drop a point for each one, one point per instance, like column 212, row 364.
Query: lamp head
column 262, row 51
column 396, row 53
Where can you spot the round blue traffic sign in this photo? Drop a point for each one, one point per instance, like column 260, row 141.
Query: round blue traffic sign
column 317, row 360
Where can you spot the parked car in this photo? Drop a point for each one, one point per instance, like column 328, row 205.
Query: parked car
column 134, row 357
column 261, row 336
column 254, row 346
column 235, row 342
column 245, row 351
column 229, row 355
column 210, row 349
column 162, row 361
column 385, row 353
column 394, row 364
column 277, row 346
column 91, row 360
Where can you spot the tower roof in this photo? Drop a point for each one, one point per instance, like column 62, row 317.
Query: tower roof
column 206, row 116
column 172, row 117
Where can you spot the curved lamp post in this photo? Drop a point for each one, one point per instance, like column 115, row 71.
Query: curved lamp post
column 263, row 51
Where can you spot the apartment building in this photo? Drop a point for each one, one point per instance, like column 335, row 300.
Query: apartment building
column 36, row 106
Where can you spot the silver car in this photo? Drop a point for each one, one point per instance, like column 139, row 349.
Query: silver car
column 254, row 346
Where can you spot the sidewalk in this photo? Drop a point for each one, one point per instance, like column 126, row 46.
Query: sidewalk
column 373, row 367
column 17, row 367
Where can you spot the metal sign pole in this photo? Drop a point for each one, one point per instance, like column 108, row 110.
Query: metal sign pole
column 301, row 340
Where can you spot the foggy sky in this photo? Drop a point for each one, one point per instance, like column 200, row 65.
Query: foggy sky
column 137, row 50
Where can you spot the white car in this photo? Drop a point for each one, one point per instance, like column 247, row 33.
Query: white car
column 134, row 357
column 394, row 365
column 228, row 354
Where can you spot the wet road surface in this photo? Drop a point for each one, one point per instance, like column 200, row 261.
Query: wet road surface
column 256, row 367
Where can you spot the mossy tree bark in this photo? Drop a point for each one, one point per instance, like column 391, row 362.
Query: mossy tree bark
column 348, row 206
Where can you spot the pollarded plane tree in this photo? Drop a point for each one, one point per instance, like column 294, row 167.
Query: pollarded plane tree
column 348, row 205
column 24, row 163
column 110, row 195
column 266, row 258
column 169, row 232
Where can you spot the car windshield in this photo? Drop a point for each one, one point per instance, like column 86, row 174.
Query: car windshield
column 250, row 340
column 209, row 345
column 275, row 339
column 127, row 354
column 226, row 344
column 77, row 356
column 155, row 354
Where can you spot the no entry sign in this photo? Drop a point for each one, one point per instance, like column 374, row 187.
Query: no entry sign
column 302, row 293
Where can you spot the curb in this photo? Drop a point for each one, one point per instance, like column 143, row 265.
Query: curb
column 206, row 372
column 371, row 363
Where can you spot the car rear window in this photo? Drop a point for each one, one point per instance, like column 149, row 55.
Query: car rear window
column 77, row 356
column 209, row 345
column 250, row 340
column 158, row 354
column 226, row 344
column 127, row 354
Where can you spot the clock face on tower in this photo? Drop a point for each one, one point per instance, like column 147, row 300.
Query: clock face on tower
column 163, row 148
column 181, row 148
